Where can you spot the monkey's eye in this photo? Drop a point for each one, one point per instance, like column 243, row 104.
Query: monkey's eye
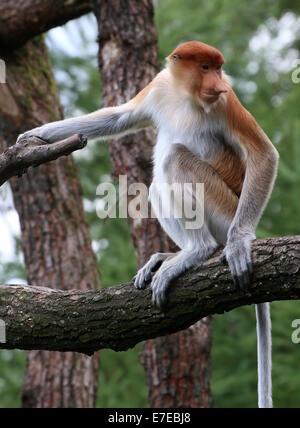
column 176, row 57
column 219, row 67
column 205, row 66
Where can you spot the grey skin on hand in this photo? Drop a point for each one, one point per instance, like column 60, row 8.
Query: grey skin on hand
column 237, row 254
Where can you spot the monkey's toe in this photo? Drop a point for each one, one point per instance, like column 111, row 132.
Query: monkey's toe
column 159, row 287
column 139, row 281
column 142, row 278
column 144, row 275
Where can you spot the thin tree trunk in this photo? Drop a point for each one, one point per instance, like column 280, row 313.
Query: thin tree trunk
column 178, row 366
column 55, row 235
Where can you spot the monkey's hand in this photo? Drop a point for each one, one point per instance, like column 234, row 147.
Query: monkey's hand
column 237, row 253
column 36, row 132
column 27, row 134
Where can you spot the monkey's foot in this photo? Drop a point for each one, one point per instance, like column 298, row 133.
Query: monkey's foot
column 144, row 275
column 159, row 286
column 171, row 269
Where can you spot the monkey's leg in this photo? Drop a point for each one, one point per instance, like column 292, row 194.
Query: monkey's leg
column 220, row 203
column 171, row 226
column 179, row 263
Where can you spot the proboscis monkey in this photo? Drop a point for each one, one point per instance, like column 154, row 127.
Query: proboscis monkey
column 205, row 135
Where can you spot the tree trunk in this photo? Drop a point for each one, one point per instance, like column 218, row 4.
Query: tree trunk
column 55, row 236
column 128, row 61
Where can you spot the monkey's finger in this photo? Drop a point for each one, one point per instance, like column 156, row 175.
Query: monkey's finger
column 234, row 269
column 246, row 270
column 244, row 280
column 241, row 280
column 239, row 273
column 247, row 264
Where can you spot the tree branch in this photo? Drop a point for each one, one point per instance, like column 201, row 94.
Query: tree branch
column 119, row 317
column 33, row 152
column 22, row 20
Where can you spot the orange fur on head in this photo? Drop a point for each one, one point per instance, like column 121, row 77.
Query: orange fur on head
column 197, row 53
column 198, row 67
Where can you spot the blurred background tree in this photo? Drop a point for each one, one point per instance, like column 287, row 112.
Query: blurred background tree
column 260, row 41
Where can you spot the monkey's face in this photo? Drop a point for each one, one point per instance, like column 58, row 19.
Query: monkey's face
column 199, row 68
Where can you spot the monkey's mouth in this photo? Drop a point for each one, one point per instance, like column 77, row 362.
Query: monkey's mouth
column 211, row 98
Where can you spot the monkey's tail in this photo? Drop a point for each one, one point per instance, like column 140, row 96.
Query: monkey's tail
column 264, row 355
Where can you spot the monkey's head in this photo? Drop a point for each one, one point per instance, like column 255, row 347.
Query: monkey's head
column 199, row 68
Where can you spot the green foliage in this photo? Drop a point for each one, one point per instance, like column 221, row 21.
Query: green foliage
column 122, row 380
column 264, row 85
column 12, row 366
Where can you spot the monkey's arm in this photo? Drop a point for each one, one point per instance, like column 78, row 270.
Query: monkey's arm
column 106, row 122
column 261, row 167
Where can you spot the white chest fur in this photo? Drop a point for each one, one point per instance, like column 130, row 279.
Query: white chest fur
column 179, row 119
column 200, row 134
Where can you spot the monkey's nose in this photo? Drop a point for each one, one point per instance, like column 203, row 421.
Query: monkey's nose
column 220, row 91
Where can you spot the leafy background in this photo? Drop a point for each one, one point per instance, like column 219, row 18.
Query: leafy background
column 260, row 41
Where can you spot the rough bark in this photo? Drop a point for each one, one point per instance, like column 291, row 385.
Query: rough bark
column 33, row 152
column 118, row 317
column 177, row 381
column 22, row 20
column 55, row 236
column 128, row 62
